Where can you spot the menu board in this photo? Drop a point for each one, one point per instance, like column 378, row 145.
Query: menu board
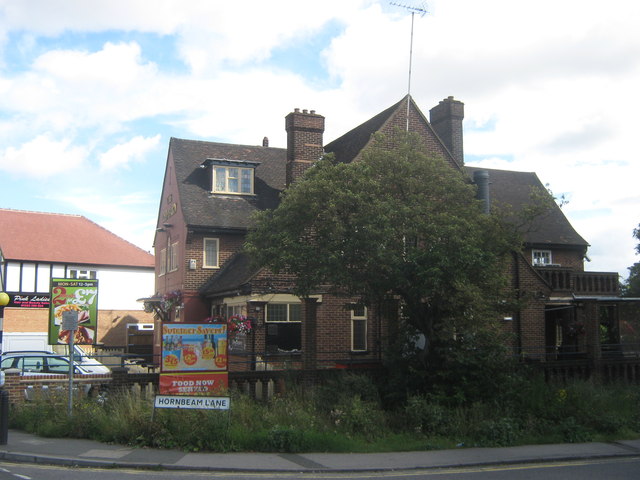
column 78, row 297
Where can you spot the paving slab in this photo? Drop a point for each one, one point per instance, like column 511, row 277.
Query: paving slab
column 26, row 447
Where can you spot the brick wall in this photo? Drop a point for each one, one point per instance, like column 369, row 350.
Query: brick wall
column 566, row 258
column 16, row 384
column 418, row 125
column 528, row 325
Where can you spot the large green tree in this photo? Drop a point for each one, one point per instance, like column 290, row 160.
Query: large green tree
column 395, row 223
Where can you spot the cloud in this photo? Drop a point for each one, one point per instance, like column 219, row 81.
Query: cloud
column 123, row 154
column 550, row 88
column 42, row 157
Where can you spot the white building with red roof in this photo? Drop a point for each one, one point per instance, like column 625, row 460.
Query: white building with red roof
column 36, row 247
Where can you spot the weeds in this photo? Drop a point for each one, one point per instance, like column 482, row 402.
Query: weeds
column 346, row 415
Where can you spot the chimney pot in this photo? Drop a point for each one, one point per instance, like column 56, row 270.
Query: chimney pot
column 265, row 142
column 296, row 110
column 305, row 111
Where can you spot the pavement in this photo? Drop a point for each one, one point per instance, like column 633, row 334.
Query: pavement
column 26, row 447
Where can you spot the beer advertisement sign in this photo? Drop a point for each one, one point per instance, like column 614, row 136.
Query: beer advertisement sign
column 194, row 347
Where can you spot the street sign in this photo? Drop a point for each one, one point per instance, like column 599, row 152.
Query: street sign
column 183, row 401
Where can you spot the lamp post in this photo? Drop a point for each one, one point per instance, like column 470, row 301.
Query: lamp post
column 4, row 301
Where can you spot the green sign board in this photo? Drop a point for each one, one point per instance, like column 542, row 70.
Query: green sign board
column 68, row 297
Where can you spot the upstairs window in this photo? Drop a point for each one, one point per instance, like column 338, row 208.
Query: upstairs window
column 231, row 176
column 541, row 258
column 82, row 274
column 210, row 253
column 233, row 180
column 163, row 261
column 172, row 257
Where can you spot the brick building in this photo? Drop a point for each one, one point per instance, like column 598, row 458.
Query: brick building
column 211, row 189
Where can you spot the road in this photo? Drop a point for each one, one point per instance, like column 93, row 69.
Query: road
column 620, row 469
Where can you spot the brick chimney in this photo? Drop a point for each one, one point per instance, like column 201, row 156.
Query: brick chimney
column 304, row 141
column 446, row 120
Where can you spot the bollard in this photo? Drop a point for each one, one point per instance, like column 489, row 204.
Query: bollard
column 4, row 417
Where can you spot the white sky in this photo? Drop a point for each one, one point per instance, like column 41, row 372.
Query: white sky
column 92, row 90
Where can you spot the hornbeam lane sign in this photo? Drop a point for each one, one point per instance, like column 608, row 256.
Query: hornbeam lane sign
column 182, row 401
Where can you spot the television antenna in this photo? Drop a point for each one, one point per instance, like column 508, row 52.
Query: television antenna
column 422, row 11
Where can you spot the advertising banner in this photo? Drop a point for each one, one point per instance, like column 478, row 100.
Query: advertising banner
column 193, row 383
column 194, row 347
column 29, row 300
column 73, row 296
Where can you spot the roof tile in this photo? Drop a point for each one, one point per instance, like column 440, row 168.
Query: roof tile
column 61, row 238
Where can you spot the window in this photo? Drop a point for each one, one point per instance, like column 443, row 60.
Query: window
column 210, row 253
column 163, row 261
column 82, row 274
column 235, row 310
column 172, row 257
column 283, row 312
column 233, row 180
column 359, row 328
column 284, row 327
column 541, row 257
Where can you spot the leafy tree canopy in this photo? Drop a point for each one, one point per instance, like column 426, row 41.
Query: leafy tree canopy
column 393, row 223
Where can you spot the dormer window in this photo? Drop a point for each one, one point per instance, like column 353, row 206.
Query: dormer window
column 232, row 180
column 231, row 176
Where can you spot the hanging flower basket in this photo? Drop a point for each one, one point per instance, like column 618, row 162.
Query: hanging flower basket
column 239, row 324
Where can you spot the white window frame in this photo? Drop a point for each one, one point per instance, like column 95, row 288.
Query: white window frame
column 226, row 188
column 163, row 262
column 172, row 257
column 541, row 258
column 358, row 317
column 288, row 319
column 205, row 262
column 82, row 273
column 236, row 310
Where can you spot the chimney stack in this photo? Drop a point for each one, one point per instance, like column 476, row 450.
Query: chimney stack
column 446, row 120
column 304, row 141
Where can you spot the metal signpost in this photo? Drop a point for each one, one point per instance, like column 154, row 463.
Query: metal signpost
column 70, row 323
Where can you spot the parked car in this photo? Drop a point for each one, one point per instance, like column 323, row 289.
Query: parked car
column 89, row 364
column 39, row 363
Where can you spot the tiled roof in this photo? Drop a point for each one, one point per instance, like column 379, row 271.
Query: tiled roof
column 347, row 147
column 70, row 239
column 200, row 208
column 512, row 189
column 234, row 276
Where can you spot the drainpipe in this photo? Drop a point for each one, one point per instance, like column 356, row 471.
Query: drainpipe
column 481, row 179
